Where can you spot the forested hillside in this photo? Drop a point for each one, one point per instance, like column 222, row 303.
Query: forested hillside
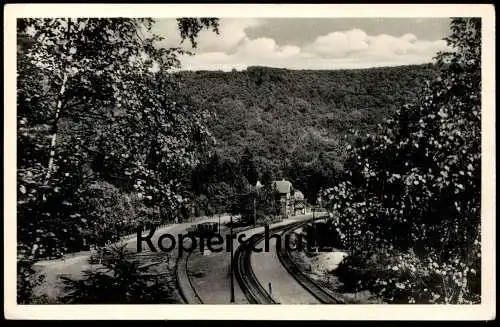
column 295, row 123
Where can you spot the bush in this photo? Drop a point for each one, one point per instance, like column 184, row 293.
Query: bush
column 122, row 281
column 403, row 277
column 27, row 280
column 110, row 213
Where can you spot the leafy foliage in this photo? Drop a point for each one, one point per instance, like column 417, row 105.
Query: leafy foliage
column 109, row 213
column 27, row 280
column 93, row 94
column 415, row 186
column 255, row 204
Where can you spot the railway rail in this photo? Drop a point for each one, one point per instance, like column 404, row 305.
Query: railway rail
column 184, row 283
column 246, row 278
column 307, row 283
column 251, row 287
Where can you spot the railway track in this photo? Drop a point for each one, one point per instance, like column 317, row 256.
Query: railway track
column 184, row 283
column 307, row 283
column 253, row 290
column 248, row 282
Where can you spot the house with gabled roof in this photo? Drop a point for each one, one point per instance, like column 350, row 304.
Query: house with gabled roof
column 284, row 197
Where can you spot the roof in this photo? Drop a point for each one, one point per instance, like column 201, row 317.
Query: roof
column 298, row 195
column 282, row 186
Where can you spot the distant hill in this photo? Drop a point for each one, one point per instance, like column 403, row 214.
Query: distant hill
column 295, row 119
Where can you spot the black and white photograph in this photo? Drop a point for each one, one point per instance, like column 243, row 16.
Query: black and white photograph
column 235, row 157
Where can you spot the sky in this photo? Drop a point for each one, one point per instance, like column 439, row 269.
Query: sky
column 311, row 43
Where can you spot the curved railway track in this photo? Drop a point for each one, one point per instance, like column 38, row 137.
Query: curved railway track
column 248, row 282
column 184, row 284
column 307, row 283
column 251, row 287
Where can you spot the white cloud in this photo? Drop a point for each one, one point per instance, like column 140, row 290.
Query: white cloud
column 265, row 48
column 336, row 50
column 339, row 44
column 357, row 44
column 232, row 32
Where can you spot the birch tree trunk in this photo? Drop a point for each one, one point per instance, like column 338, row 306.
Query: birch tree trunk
column 53, row 138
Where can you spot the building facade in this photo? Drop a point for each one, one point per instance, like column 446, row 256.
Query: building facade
column 299, row 203
column 290, row 202
column 283, row 195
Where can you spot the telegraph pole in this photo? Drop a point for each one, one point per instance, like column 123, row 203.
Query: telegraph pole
column 314, row 226
column 232, row 265
column 256, row 194
column 254, row 210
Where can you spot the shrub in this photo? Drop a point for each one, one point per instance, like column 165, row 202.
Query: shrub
column 404, row 277
column 122, row 281
column 110, row 213
column 27, row 280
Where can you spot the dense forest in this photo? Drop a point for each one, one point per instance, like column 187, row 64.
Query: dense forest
column 295, row 124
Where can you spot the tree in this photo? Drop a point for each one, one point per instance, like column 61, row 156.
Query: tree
column 415, row 186
column 248, row 166
column 80, row 80
column 218, row 179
